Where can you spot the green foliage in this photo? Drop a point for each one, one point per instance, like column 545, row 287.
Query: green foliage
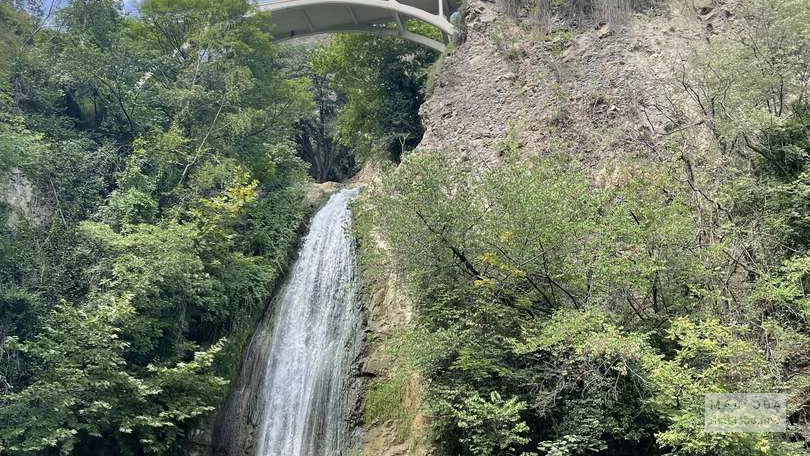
column 773, row 200
column 711, row 357
column 80, row 373
column 484, row 270
column 553, row 317
column 606, row 246
column 491, row 426
column 316, row 141
column 397, row 396
column 605, row 314
column 383, row 402
column 382, row 80
column 572, row 302
column 157, row 149
column 745, row 83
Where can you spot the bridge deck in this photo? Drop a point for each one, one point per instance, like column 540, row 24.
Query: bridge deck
column 307, row 17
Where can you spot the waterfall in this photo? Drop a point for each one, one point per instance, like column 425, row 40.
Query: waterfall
column 313, row 343
column 301, row 380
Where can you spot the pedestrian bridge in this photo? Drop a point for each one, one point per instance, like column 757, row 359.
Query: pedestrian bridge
column 297, row 18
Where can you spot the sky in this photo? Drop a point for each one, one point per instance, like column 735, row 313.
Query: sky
column 131, row 6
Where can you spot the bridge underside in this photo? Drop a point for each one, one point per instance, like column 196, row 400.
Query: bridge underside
column 297, row 18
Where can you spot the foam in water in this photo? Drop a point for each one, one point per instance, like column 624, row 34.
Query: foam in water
column 314, row 341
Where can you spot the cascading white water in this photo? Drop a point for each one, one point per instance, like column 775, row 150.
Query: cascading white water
column 314, row 341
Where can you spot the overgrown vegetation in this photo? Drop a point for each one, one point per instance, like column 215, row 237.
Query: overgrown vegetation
column 551, row 15
column 367, row 91
column 558, row 317
column 153, row 168
column 383, row 84
column 159, row 149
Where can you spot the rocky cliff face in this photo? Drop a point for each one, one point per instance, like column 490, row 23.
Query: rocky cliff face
column 389, row 311
column 22, row 200
column 593, row 91
column 235, row 428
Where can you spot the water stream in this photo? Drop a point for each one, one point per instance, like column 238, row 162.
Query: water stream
column 294, row 392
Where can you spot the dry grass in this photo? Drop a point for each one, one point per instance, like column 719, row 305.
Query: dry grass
column 585, row 12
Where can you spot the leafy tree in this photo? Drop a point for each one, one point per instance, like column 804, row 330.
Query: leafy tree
column 316, row 139
column 590, row 308
column 383, row 82
column 159, row 149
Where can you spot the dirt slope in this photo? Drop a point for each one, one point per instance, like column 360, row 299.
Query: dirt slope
column 595, row 92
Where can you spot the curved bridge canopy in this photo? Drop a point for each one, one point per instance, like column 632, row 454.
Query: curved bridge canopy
column 296, row 18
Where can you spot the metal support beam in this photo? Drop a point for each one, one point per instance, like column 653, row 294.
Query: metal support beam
column 409, row 36
column 398, row 20
column 393, row 6
column 308, row 20
column 354, row 16
column 295, row 18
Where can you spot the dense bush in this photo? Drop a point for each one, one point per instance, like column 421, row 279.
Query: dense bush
column 158, row 149
column 382, row 83
column 560, row 318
